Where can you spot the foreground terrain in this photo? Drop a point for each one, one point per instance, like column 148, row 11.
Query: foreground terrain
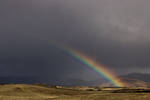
column 45, row 92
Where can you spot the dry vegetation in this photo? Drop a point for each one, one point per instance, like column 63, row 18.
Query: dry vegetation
column 43, row 92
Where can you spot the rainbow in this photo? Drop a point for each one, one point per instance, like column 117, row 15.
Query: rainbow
column 99, row 68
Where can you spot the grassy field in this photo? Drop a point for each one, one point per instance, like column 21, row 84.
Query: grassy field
column 41, row 92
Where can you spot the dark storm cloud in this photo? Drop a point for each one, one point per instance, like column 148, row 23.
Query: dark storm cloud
column 114, row 32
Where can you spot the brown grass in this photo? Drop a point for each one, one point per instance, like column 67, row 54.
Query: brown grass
column 41, row 92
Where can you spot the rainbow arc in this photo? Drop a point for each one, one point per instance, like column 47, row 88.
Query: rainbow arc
column 99, row 68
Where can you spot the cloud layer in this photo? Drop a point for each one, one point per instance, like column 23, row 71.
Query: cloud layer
column 114, row 32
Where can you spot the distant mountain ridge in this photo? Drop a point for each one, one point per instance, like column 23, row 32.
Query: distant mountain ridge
column 132, row 80
column 57, row 81
column 129, row 82
column 18, row 79
column 138, row 76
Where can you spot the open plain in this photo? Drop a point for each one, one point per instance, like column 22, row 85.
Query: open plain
column 46, row 92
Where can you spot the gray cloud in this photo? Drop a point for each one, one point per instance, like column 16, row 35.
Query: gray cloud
column 114, row 32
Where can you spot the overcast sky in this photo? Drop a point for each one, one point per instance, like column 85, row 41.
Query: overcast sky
column 114, row 32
